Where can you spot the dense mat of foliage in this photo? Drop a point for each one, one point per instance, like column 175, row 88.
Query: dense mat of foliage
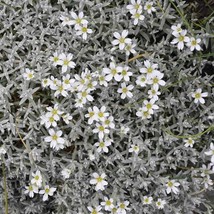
column 105, row 107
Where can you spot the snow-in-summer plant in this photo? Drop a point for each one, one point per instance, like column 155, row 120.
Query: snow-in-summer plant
column 106, row 107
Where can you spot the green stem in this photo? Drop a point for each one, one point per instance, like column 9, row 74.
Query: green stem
column 5, row 188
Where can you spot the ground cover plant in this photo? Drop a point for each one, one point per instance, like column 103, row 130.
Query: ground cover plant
column 106, row 106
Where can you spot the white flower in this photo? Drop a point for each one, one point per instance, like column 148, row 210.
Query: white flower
column 207, row 182
column 160, row 203
column 55, row 59
column 180, row 39
column 211, row 152
column 28, row 75
column 125, row 91
column 194, row 44
column 134, row 148
column 103, row 80
column 143, row 113
column 91, row 156
column 99, row 181
column 108, row 203
column 67, row 81
column 67, row 117
column 150, row 106
column 189, row 142
column 109, row 122
column 157, row 80
column 147, row 200
column 65, row 20
column 149, row 7
column 61, row 89
column 113, row 72
column 124, row 130
column 66, row 173
column 206, row 171
column 101, row 129
column 49, row 120
column 78, row 20
column 56, row 141
column 83, row 30
column 37, row 178
column 134, row 6
column 176, row 29
column 153, row 94
column 101, row 113
column 54, row 83
column 130, row 49
column 150, row 69
column 79, row 103
column 121, row 39
column 103, row 145
column 125, row 73
column 95, row 210
column 55, row 111
column 91, row 115
column 45, row 82
column 31, row 189
column 47, row 192
column 172, row 187
column 65, row 62
column 141, row 80
column 198, row 95
column 84, row 95
column 137, row 16
column 122, row 207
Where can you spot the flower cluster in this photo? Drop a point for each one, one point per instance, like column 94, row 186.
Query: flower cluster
column 35, row 184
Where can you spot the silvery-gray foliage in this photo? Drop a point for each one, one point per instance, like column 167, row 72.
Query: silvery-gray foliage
column 30, row 33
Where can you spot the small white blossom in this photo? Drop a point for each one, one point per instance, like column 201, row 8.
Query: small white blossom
column 147, row 200
column 31, row 189
column 207, row 182
column 134, row 6
column 198, row 95
column 124, row 130
column 125, row 73
column 66, row 173
column 55, row 59
column 99, row 181
column 150, row 69
column 122, row 207
column 156, row 80
column 61, row 90
column 45, row 82
column 101, row 129
column 125, row 91
column 108, row 203
column 137, row 16
column 153, row 94
column 176, row 29
column 181, row 39
column 67, row 117
column 121, row 39
column 84, row 31
column 194, row 44
column 141, row 80
column 103, row 145
column 149, row 7
column 172, row 187
column 95, row 210
column 29, row 74
column 160, row 203
column 143, row 113
column 66, row 62
column 101, row 113
column 189, row 142
column 78, row 20
column 134, row 148
column 129, row 48
column 47, row 192
column 37, row 178
column 109, row 122
column 113, row 72
column 150, row 106
column 65, row 20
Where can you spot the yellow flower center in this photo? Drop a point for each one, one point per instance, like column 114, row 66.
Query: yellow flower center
column 54, row 137
column 135, row 148
column 194, row 43
column 101, row 128
column 54, row 112
column 170, row 184
column 149, row 70
column 149, row 106
column 197, row 95
column 101, row 114
column 158, row 203
column 102, row 78
column 146, row 113
column 102, row 144
column 94, row 211
column 55, row 59
column 99, row 179
column 84, row 94
column 36, row 177
column 84, row 29
column 181, row 38
column 30, row 188
column 124, row 72
column 108, row 203
column 155, row 80
column 137, row 15
column 47, row 190
column 30, row 76
column 122, row 206
column 124, row 90
column 66, row 81
column 107, row 122
column 91, row 114
column 146, row 200
column 60, row 88
column 137, row 6
column 78, row 21
column 113, row 71
column 149, row 6
column 66, row 62
column 122, row 40
column 51, row 119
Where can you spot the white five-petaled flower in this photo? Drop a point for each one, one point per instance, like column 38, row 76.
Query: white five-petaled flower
column 150, row 69
column 91, row 116
column 55, row 59
column 149, row 7
column 49, row 120
column 211, row 152
column 85, row 95
column 134, row 6
column 156, row 80
column 194, row 44
column 95, row 210
column 65, row 62
column 99, row 181
column 147, row 200
column 66, row 173
column 108, row 203
column 45, row 82
column 57, row 142
column 143, row 113
column 160, row 203
column 31, row 189
column 124, row 130
column 172, row 187
column 123, row 207
column 78, row 20
column 137, row 16
column 100, row 114
column 125, row 73
column 84, row 31
column 125, row 91
column 153, row 94
column 101, row 129
column 198, row 95
column 37, row 178
column 189, row 142
column 121, row 39
column 130, row 49
column 150, row 106
column 65, row 20
column 180, row 39
column 103, row 145
column 29, row 74
column 67, row 117
column 47, row 192
column 109, row 122
column 61, row 89
column 176, row 29
column 113, row 72
column 141, row 80
column 55, row 111
column 134, row 148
